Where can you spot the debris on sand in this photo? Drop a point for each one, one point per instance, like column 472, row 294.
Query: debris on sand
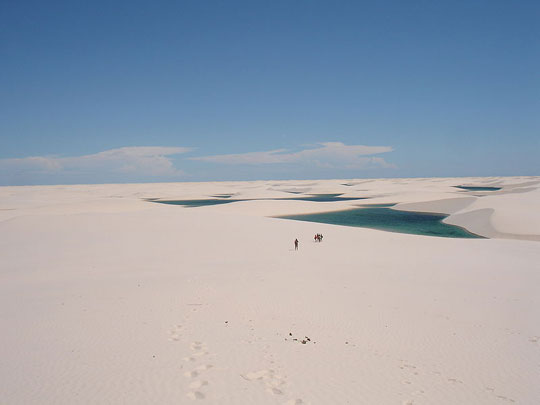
column 304, row 341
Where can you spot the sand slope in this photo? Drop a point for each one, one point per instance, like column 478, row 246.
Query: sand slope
column 108, row 298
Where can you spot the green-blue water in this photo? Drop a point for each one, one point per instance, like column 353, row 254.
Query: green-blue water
column 387, row 219
column 322, row 198
column 226, row 200
column 478, row 188
column 197, row 203
column 377, row 205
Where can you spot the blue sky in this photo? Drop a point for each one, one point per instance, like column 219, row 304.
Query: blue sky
column 134, row 91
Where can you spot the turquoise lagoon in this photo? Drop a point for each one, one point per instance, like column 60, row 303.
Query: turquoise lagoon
column 382, row 217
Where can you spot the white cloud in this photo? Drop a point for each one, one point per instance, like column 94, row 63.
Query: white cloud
column 327, row 154
column 155, row 163
column 143, row 160
column 382, row 163
column 33, row 163
column 134, row 160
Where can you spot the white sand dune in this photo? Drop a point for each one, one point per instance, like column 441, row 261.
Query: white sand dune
column 108, row 298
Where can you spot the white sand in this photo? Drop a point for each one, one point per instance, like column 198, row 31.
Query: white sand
column 106, row 298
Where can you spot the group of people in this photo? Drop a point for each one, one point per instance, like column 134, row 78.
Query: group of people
column 318, row 238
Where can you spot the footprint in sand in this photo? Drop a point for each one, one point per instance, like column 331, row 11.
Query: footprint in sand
column 175, row 333
column 273, row 383
column 410, row 369
column 191, row 374
column 195, row 395
column 204, row 367
column 410, row 373
column 198, row 384
column 410, row 366
column 269, row 379
column 198, row 356
column 502, row 397
column 195, row 356
column 197, row 346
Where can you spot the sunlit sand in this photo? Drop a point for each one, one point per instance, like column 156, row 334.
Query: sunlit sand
column 109, row 297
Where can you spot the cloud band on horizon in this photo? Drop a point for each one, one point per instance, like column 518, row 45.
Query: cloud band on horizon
column 131, row 160
column 157, row 163
column 327, row 154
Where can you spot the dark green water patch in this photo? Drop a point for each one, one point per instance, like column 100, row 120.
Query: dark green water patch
column 474, row 188
column 377, row 205
column 387, row 219
column 323, row 198
column 226, row 200
column 197, row 203
column 222, row 196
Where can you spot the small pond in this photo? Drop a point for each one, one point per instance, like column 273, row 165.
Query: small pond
column 479, row 188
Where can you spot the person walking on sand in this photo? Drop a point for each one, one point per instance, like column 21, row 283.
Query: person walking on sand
column 296, row 244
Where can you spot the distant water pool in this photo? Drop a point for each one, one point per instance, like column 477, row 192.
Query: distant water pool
column 322, row 198
column 225, row 199
column 386, row 219
column 197, row 203
column 474, row 188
